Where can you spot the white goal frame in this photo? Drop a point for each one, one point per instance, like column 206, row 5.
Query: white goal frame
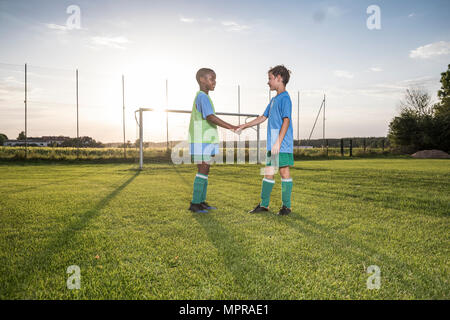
column 141, row 128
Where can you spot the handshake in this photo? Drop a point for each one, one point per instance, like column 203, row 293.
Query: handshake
column 238, row 129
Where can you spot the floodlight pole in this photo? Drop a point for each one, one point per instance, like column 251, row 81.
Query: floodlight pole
column 298, row 117
column 323, row 129
column 167, row 114
column 26, row 101
column 123, row 116
column 141, row 138
column 78, row 128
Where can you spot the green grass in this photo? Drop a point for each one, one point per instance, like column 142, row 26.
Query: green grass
column 347, row 215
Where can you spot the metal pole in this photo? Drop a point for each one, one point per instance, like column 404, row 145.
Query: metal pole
column 167, row 114
column 323, row 129
column 298, row 117
column 78, row 127
column 257, row 145
column 239, row 109
column 25, row 101
column 123, row 116
column 141, row 142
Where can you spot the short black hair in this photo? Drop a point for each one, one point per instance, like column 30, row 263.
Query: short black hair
column 282, row 71
column 203, row 72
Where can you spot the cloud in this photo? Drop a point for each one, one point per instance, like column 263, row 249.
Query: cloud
column 186, row 20
column 112, row 42
column 376, row 69
column 56, row 27
column 234, row 26
column 327, row 12
column 411, row 15
column 343, row 74
column 431, row 50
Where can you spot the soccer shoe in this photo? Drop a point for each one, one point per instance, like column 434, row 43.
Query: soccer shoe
column 259, row 209
column 207, row 206
column 284, row 211
column 197, row 208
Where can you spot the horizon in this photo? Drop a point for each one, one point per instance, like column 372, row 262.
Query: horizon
column 327, row 45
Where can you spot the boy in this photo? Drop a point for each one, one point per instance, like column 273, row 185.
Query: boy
column 280, row 141
column 204, row 137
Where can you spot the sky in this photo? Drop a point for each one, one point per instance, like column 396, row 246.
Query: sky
column 331, row 48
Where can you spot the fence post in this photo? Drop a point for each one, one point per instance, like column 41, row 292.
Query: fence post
column 326, row 144
column 351, row 147
column 382, row 144
column 342, row 147
column 364, row 142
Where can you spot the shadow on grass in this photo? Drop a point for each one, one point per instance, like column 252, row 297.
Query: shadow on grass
column 249, row 277
column 64, row 241
column 350, row 250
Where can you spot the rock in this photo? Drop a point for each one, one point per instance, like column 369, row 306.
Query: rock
column 431, row 154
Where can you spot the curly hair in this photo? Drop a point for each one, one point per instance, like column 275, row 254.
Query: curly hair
column 282, row 71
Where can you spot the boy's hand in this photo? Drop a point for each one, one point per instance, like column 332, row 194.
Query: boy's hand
column 276, row 148
column 234, row 128
column 239, row 129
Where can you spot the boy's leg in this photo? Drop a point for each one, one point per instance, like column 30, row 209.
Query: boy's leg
column 267, row 186
column 200, row 180
column 204, row 170
column 286, row 186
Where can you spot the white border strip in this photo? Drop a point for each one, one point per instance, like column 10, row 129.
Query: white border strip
column 201, row 176
column 268, row 180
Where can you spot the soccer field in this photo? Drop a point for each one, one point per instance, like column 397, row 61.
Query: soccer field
column 132, row 236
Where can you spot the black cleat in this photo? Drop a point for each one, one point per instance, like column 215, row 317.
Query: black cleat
column 197, row 208
column 259, row 209
column 284, row 211
column 206, row 206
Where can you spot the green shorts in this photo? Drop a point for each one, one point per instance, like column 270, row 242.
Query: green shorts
column 283, row 160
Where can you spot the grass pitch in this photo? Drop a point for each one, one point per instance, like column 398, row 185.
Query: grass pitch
column 133, row 238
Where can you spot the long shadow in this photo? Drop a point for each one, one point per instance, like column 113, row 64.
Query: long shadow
column 347, row 247
column 54, row 183
column 236, row 257
column 246, row 272
column 62, row 241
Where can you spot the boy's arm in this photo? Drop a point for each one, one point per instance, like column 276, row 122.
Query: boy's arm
column 252, row 123
column 217, row 121
column 284, row 127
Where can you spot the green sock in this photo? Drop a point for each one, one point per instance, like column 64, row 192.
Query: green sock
column 205, row 188
column 266, row 189
column 286, row 190
column 199, row 183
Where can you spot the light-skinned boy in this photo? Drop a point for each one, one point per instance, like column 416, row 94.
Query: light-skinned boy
column 280, row 141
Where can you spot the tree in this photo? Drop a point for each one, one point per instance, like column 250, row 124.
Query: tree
column 21, row 136
column 442, row 112
column 420, row 124
column 3, row 138
column 418, row 101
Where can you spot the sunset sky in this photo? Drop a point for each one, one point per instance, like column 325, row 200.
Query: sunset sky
column 326, row 44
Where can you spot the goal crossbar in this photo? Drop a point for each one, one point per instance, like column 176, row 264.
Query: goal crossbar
column 141, row 127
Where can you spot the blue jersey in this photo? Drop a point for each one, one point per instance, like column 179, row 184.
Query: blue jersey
column 280, row 107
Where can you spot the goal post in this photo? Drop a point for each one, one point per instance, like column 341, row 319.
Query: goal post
column 141, row 128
